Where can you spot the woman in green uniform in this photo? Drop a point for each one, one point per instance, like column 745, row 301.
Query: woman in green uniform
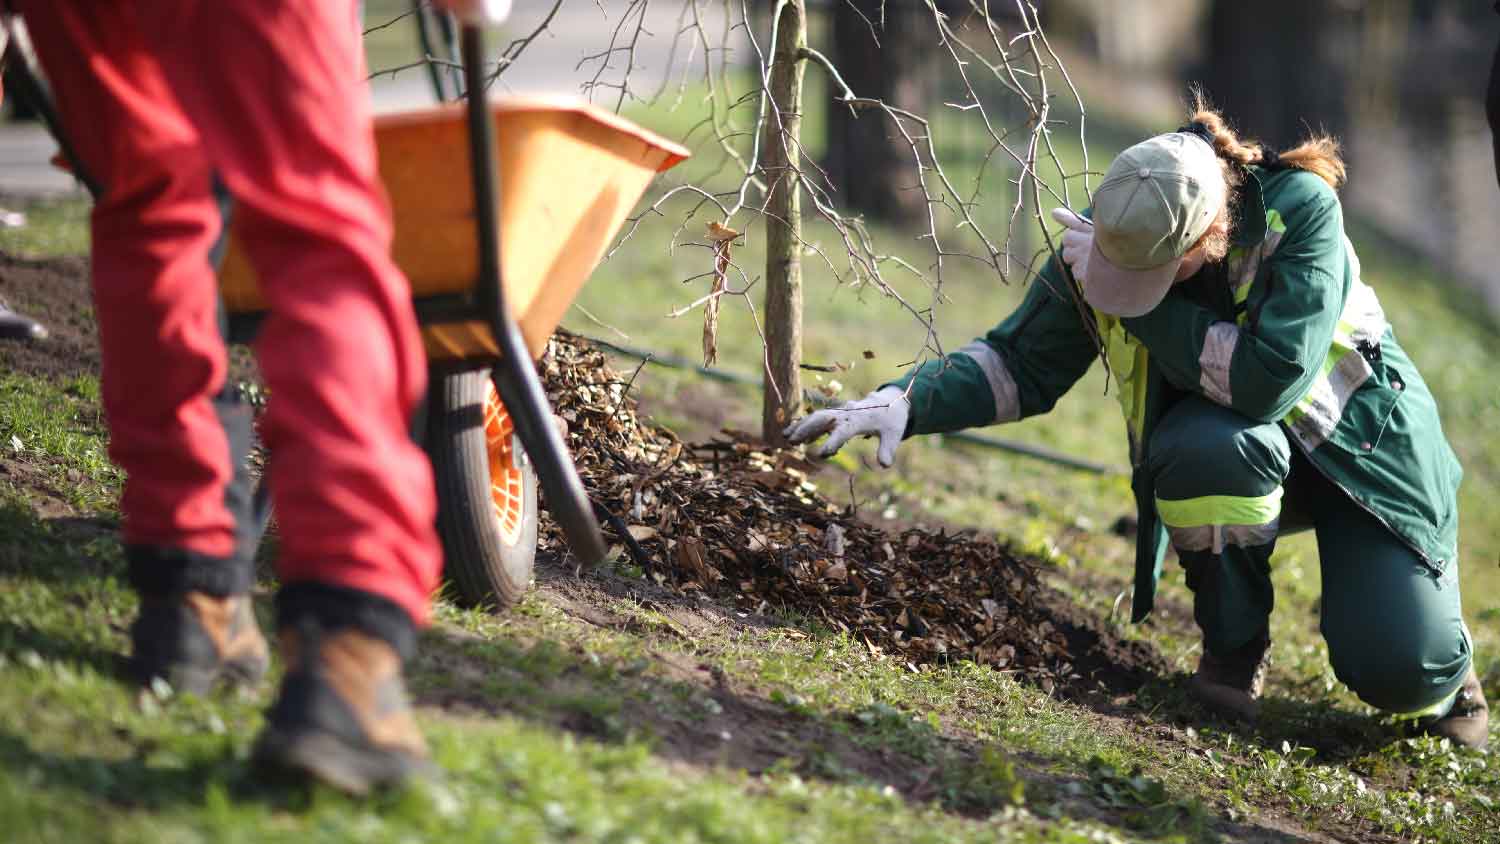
column 1263, row 390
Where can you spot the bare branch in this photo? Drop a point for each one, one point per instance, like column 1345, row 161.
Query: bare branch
column 1005, row 86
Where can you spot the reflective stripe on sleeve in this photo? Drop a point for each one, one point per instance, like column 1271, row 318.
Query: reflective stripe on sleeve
column 1313, row 419
column 1345, row 370
column 1363, row 319
column 1213, row 362
column 1245, row 263
column 1002, row 385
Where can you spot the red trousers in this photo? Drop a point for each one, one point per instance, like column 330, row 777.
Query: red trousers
column 270, row 95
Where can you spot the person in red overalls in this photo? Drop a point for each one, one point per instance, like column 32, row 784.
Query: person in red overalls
column 159, row 97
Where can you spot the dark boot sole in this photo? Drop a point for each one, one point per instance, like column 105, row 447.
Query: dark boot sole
column 1232, row 704
column 353, row 770
column 202, row 681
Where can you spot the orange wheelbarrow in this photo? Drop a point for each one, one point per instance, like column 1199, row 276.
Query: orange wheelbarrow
column 567, row 176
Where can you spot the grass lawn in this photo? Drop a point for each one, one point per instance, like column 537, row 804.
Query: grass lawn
column 607, row 709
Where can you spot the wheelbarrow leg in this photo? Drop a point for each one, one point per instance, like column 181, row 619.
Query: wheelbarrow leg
column 515, row 377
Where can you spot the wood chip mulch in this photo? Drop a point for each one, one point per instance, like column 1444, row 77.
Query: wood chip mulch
column 747, row 524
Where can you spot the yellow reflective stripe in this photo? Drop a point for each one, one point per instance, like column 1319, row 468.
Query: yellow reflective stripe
column 1242, row 292
column 1137, row 416
column 1243, row 263
column 1335, row 354
column 1319, row 410
column 1127, row 361
column 1220, row 510
column 1304, row 404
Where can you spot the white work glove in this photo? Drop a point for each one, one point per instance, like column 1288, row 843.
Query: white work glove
column 881, row 414
column 477, row 12
column 1077, row 241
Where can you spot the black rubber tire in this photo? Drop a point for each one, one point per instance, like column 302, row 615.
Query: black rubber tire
column 483, row 568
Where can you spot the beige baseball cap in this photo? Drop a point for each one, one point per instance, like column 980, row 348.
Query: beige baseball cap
column 1157, row 199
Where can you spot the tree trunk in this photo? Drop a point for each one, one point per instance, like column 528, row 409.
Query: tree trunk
column 884, row 51
column 780, row 160
column 1278, row 83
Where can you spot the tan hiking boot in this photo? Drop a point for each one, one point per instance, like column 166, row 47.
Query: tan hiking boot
column 195, row 640
column 342, row 716
column 1231, row 684
column 1468, row 722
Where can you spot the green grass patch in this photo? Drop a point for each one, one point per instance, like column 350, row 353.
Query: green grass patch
column 55, row 433
column 54, row 226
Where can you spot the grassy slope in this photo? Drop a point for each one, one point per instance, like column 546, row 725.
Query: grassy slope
column 595, row 717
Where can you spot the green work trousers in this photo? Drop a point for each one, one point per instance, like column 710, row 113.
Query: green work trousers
column 1227, row 486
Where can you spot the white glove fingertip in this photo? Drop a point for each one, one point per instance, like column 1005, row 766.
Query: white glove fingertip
column 886, row 454
column 1071, row 219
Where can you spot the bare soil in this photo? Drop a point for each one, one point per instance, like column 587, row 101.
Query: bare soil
column 56, row 293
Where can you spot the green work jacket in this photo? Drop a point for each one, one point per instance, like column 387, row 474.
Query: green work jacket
column 1283, row 330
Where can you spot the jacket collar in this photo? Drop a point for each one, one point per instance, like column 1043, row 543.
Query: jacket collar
column 1250, row 217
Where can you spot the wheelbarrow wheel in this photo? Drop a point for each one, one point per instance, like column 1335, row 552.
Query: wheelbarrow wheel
column 486, row 491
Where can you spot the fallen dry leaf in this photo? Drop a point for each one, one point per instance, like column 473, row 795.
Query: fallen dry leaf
column 641, row 533
column 719, row 233
column 690, row 556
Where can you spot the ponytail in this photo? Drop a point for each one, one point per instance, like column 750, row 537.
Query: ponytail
column 1318, row 154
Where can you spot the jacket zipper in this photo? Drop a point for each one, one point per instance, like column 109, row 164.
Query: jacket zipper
column 1436, row 569
column 1253, row 318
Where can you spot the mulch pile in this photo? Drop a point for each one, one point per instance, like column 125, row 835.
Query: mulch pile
column 741, row 522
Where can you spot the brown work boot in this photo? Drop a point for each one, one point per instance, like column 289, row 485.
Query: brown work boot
column 1231, row 684
column 342, row 716
column 1468, row 722
column 194, row 640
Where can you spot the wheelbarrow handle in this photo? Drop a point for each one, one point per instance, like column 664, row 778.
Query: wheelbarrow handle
column 515, row 377
column 27, row 88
